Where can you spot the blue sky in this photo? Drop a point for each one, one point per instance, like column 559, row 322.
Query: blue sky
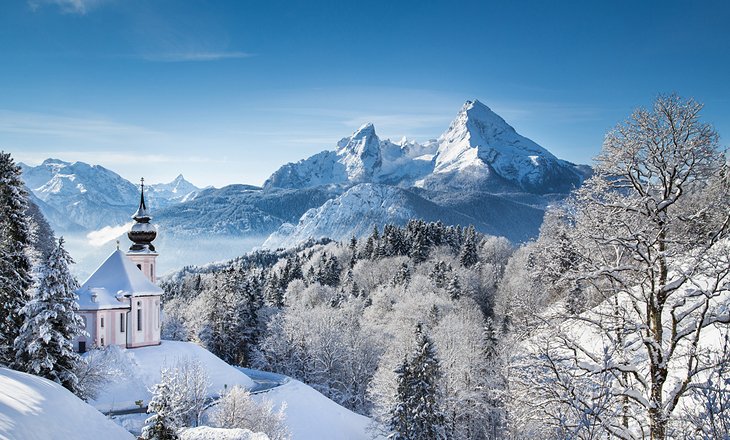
column 227, row 91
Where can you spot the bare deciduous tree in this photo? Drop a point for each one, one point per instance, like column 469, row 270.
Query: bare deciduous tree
column 647, row 244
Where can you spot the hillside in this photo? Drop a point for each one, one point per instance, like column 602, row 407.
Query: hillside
column 35, row 408
column 139, row 370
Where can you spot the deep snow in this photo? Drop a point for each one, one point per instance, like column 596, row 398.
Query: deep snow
column 33, row 408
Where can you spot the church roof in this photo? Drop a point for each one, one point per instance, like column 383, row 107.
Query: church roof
column 116, row 278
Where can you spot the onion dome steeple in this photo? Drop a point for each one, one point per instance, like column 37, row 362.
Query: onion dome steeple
column 142, row 232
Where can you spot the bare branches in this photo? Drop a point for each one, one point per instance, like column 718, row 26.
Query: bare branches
column 648, row 236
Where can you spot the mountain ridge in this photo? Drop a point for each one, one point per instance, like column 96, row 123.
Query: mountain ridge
column 480, row 171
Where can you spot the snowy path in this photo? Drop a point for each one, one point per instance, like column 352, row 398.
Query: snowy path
column 264, row 381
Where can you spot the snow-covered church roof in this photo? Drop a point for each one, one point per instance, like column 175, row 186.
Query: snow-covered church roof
column 116, row 278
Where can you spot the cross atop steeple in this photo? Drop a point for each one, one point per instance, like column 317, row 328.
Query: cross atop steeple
column 142, row 232
column 142, row 211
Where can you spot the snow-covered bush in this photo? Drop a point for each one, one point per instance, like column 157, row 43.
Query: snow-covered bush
column 98, row 367
column 237, row 409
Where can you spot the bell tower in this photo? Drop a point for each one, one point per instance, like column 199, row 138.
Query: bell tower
column 142, row 252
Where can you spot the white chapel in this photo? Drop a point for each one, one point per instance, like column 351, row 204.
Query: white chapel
column 120, row 301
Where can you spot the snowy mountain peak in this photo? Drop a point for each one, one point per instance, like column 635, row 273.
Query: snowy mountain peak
column 364, row 130
column 179, row 190
column 52, row 161
column 363, row 140
column 479, row 116
column 482, row 144
column 361, row 153
column 479, row 150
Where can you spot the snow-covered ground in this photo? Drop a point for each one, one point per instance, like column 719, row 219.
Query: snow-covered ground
column 311, row 415
column 142, row 370
column 33, row 408
column 208, row 433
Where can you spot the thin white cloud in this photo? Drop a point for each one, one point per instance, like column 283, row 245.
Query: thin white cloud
column 111, row 158
column 106, row 234
column 90, row 128
column 177, row 57
column 68, row 6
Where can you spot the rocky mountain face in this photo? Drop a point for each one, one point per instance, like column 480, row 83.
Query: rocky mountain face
column 240, row 210
column 480, row 171
column 481, row 147
column 360, row 158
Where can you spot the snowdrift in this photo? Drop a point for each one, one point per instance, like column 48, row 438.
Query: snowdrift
column 208, row 433
column 311, row 415
column 33, row 408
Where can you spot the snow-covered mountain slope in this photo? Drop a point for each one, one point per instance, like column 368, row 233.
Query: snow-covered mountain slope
column 179, row 190
column 480, row 146
column 35, row 408
column 58, row 220
column 362, row 157
column 355, row 212
column 237, row 210
column 91, row 196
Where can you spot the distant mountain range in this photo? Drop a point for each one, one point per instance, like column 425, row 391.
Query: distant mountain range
column 480, row 171
column 78, row 196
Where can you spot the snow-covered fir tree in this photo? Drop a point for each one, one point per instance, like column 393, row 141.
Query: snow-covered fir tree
column 400, row 417
column 163, row 422
column 15, row 265
column 469, row 255
column 417, row 414
column 45, row 344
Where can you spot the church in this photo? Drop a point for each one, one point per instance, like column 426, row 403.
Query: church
column 120, row 301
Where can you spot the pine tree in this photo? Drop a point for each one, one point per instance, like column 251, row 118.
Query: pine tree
column 274, row 291
column 403, row 276
column 428, row 422
column 454, row 288
column 419, row 247
column 469, row 256
column 162, row 424
column 15, row 266
column 400, row 414
column 332, row 271
column 45, row 344
column 416, row 414
column 353, row 251
column 367, row 253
